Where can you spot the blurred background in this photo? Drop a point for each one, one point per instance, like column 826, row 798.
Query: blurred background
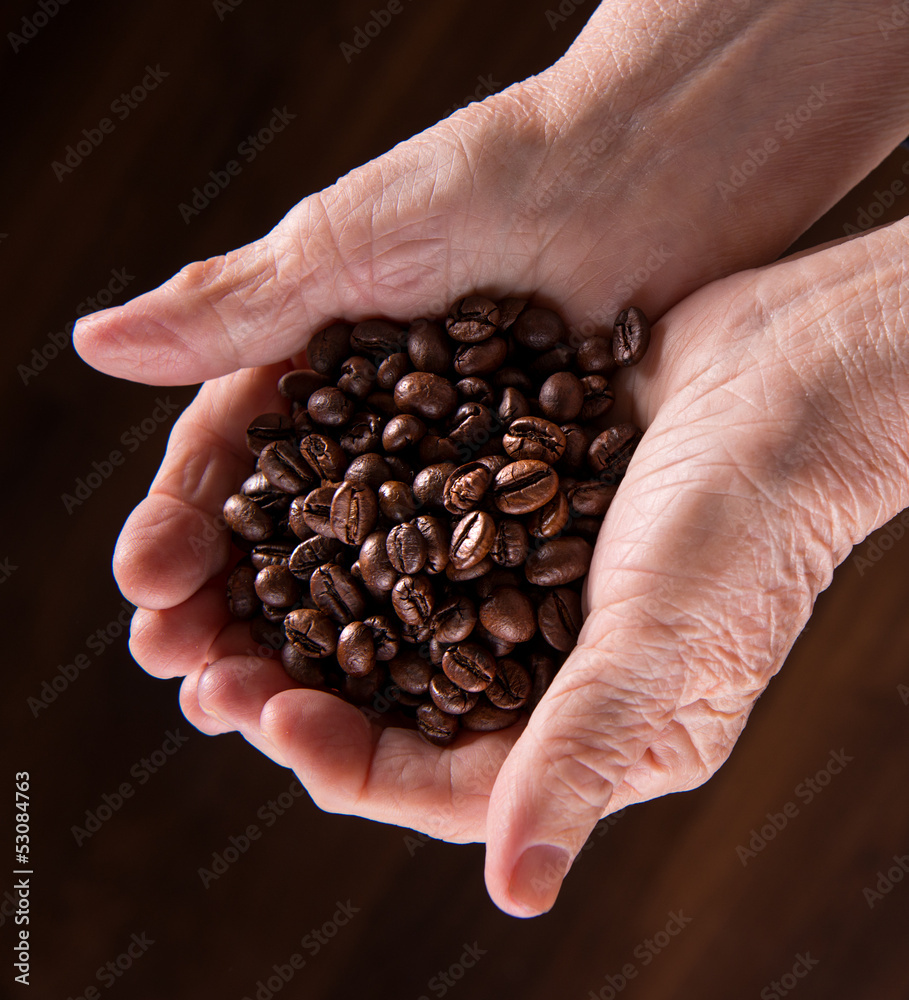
column 170, row 864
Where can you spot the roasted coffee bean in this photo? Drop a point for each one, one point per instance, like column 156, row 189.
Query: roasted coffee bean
column 303, row 669
column 247, row 519
column 428, row 347
column 435, row 726
column 242, row 599
column 610, row 452
column 523, row 486
column 475, row 390
column 276, row 613
column 406, row 548
column 454, row 619
column 591, row 498
column 434, row 450
column 335, row 592
column 435, row 534
column 587, row 527
column 559, row 359
column 514, row 378
column 386, row 635
column 303, row 424
column 358, row 376
column 631, row 337
column 480, row 359
column 285, row 468
column 534, row 437
column 513, row 406
column 429, row 484
column 295, row 519
column 560, row 618
column 268, row 635
column 300, row 384
column 392, row 370
column 363, row 434
column 324, row 456
column 468, row 573
column 562, row 397
column 311, row 632
column 539, row 329
column 436, row 651
column 449, row 697
column 273, row 553
column 413, row 599
column 487, row 718
column 427, row 395
column 416, row 633
column 550, row 520
column 268, row 427
column 364, row 690
column 512, row 686
column 473, row 426
column 401, row 471
column 471, row 540
column 312, row 553
column 470, row 666
column 598, row 397
column 354, row 512
column 330, row 407
column 396, row 501
column 511, row 544
column 375, row 338
column 328, row 348
column 369, row 470
column 595, row 356
column 508, row 614
column 543, row 669
column 404, row 698
column 376, row 569
column 558, row 562
column 466, row 487
column 402, row 431
column 509, row 310
column 472, row 319
column 317, row 510
column 411, row 672
column 495, row 578
column 576, row 443
column 382, row 403
column 356, row 649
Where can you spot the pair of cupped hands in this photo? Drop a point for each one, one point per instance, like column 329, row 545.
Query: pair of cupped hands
column 774, row 402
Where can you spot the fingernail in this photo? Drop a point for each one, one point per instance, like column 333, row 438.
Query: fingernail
column 537, row 878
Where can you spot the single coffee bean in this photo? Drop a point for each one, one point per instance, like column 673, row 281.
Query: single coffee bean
column 386, row 635
column 587, row 527
column 509, row 310
column 363, row 434
column 595, row 356
column 498, row 647
column 471, row 540
column 543, row 669
column 295, row 519
column 434, row 450
column 435, row 535
column 268, row 427
column 330, row 407
column 508, row 614
column 317, row 510
column 312, row 553
column 428, row 347
column 523, row 486
column 435, row 726
column 560, row 618
column 558, row 562
column 577, row 442
column 475, row 390
column 513, row 406
column 324, row 456
column 311, row 632
column 550, row 520
column 411, row 672
column 466, row 487
column 469, row 666
column 273, row 553
column 454, row 619
column 539, row 329
column 300, row 384
column 561, row 397
column 370, row 470
column 534, row 437
column 511, row 544
column 358, row 377
column 514, row 378
column 559, row 359
column 376, row 569
column 396, row 501
column 449, row 697
column 303, row 669
column 381, row 403
column 495, row 463
column 303, row 424
column 416, row 633
column 429, row 484
column 472, row 319
column 356, row 649
column 631, row 337
column 335, row 592
column 285, row 468
column 480, row 359
column 473, row 425
column 247, row 519
column 436, row 651
column 354, row 512
column 328, row 348
column 401, row 471
column 406, row 548
column 468, row 573
column 392, row 370
column 242, row 599
column 497, row 577
column 426, row 395
column 611, row 451
column 591, row 498
column 488, row 718
column 277, row 613
column 413, row 599
column 374, row 338
column 512, row 686
column 598, row 397
column 402, row 431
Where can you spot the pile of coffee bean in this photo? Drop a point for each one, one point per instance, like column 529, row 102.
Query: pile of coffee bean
column 418, row 527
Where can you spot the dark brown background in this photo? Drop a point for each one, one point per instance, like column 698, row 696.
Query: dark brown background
column 417, row 903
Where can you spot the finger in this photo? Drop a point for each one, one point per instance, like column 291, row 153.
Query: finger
column 189, row 705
